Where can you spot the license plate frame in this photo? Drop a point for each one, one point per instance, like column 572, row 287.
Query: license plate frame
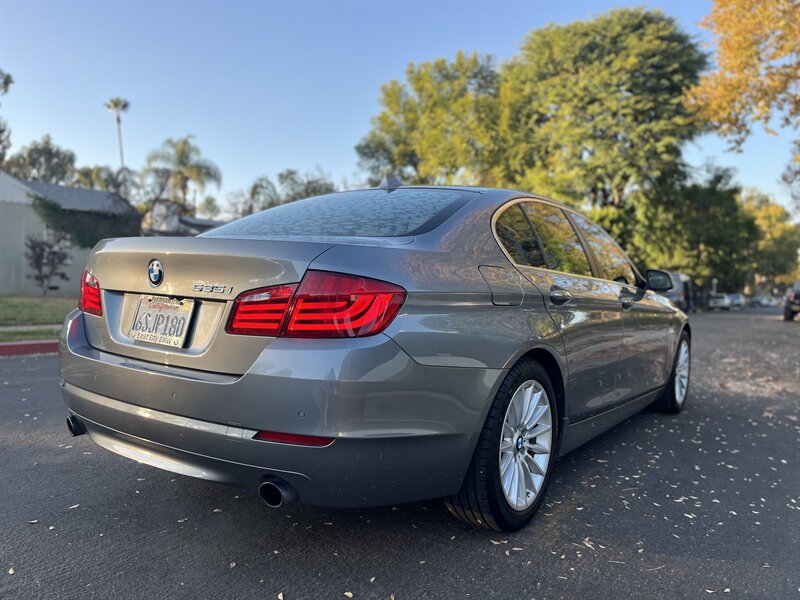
column 170, row 329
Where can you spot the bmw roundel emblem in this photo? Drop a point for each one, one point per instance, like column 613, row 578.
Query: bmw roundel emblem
column 155, row 272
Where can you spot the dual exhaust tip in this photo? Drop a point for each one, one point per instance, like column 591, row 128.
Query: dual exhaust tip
column 273, row 492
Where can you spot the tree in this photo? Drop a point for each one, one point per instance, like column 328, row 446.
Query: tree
column 294, row 186
column 42, row 161
column 437, row 127
column 591, row 111
column 758, row 67
column 209, row 207
column 778, row 240
column 263, row 193
column 118, row 106
column 5, row 133
column 791, row 176
column 702, row 229
column 47, row 259
column 179, row 162
column 101, row 177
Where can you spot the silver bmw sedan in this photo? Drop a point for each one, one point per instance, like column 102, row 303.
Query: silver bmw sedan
column 373, row 347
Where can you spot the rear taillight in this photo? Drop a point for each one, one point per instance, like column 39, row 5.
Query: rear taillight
column 89, row 301
column 261, row 312
column 332, row 305
column 324, row 305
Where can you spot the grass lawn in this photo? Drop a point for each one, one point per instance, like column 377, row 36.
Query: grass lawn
column 34, row 310
column 20, row 335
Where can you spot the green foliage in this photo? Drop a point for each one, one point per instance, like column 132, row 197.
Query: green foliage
column 700, row 228
column 791, row 177
column 209, row 207
column 292, row 185
column 85, row 228
column 177, row 164
column 5, row 133
column 437, row 127
column 42, row 161
column 779, row 239
column 592, row 111
column 100, row 177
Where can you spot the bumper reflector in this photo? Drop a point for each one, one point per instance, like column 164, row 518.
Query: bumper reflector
column 292, row 438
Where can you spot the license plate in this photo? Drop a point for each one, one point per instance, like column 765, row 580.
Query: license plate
column 162, row 320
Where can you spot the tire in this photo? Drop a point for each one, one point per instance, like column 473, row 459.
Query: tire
column 788, row 314
column 482, row 501
column 672, row 401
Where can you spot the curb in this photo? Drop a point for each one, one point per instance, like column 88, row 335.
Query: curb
column 29, row 347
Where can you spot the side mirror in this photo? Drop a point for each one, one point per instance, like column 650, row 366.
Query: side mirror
column 658, row 281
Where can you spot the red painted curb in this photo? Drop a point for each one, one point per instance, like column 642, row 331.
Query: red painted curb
column 29, row 347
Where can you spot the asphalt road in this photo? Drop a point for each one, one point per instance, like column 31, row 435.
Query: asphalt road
column 706, row 502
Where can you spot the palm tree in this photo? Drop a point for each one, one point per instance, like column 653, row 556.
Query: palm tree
column 181, row 161
column 119, row 106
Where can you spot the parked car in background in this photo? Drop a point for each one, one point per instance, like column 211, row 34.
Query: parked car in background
column 372, row 347
column 682, row 291
column 719, row 301
column 791, row 305
column 738, row 300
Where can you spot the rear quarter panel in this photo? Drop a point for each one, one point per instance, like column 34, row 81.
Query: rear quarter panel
column 449, row 319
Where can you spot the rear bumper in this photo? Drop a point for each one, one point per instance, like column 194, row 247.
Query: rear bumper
column 403, row 431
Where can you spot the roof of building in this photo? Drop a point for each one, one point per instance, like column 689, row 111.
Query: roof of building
column 78, row 198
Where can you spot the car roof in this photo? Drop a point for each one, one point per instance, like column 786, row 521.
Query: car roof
column 490, row 194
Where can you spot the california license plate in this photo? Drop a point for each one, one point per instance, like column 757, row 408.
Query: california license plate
column 162, row 320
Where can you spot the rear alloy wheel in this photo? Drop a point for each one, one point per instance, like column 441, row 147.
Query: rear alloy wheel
column 673, row 398
column 525, row 444
column 508, row 476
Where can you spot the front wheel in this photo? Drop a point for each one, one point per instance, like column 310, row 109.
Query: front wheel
column 673, row 398
column 788, row 314
column 510, row 469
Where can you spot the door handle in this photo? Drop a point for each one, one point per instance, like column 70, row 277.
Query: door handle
column 626, row 302
column 559, row 296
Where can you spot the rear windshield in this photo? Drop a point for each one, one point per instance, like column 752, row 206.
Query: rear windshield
column 363, row 213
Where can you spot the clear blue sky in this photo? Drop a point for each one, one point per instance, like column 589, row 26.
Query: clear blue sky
column 266, row 86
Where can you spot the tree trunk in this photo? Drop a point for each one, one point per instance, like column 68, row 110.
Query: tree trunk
column 119, row 140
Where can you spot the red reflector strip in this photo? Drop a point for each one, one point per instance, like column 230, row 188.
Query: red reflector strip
column 292, row 438
column 90, row 299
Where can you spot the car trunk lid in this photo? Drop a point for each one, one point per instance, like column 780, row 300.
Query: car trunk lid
column 206, row 273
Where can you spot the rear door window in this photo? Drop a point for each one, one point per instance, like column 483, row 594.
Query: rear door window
column 612, row 261
column 517, row 237
column 562, row 247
